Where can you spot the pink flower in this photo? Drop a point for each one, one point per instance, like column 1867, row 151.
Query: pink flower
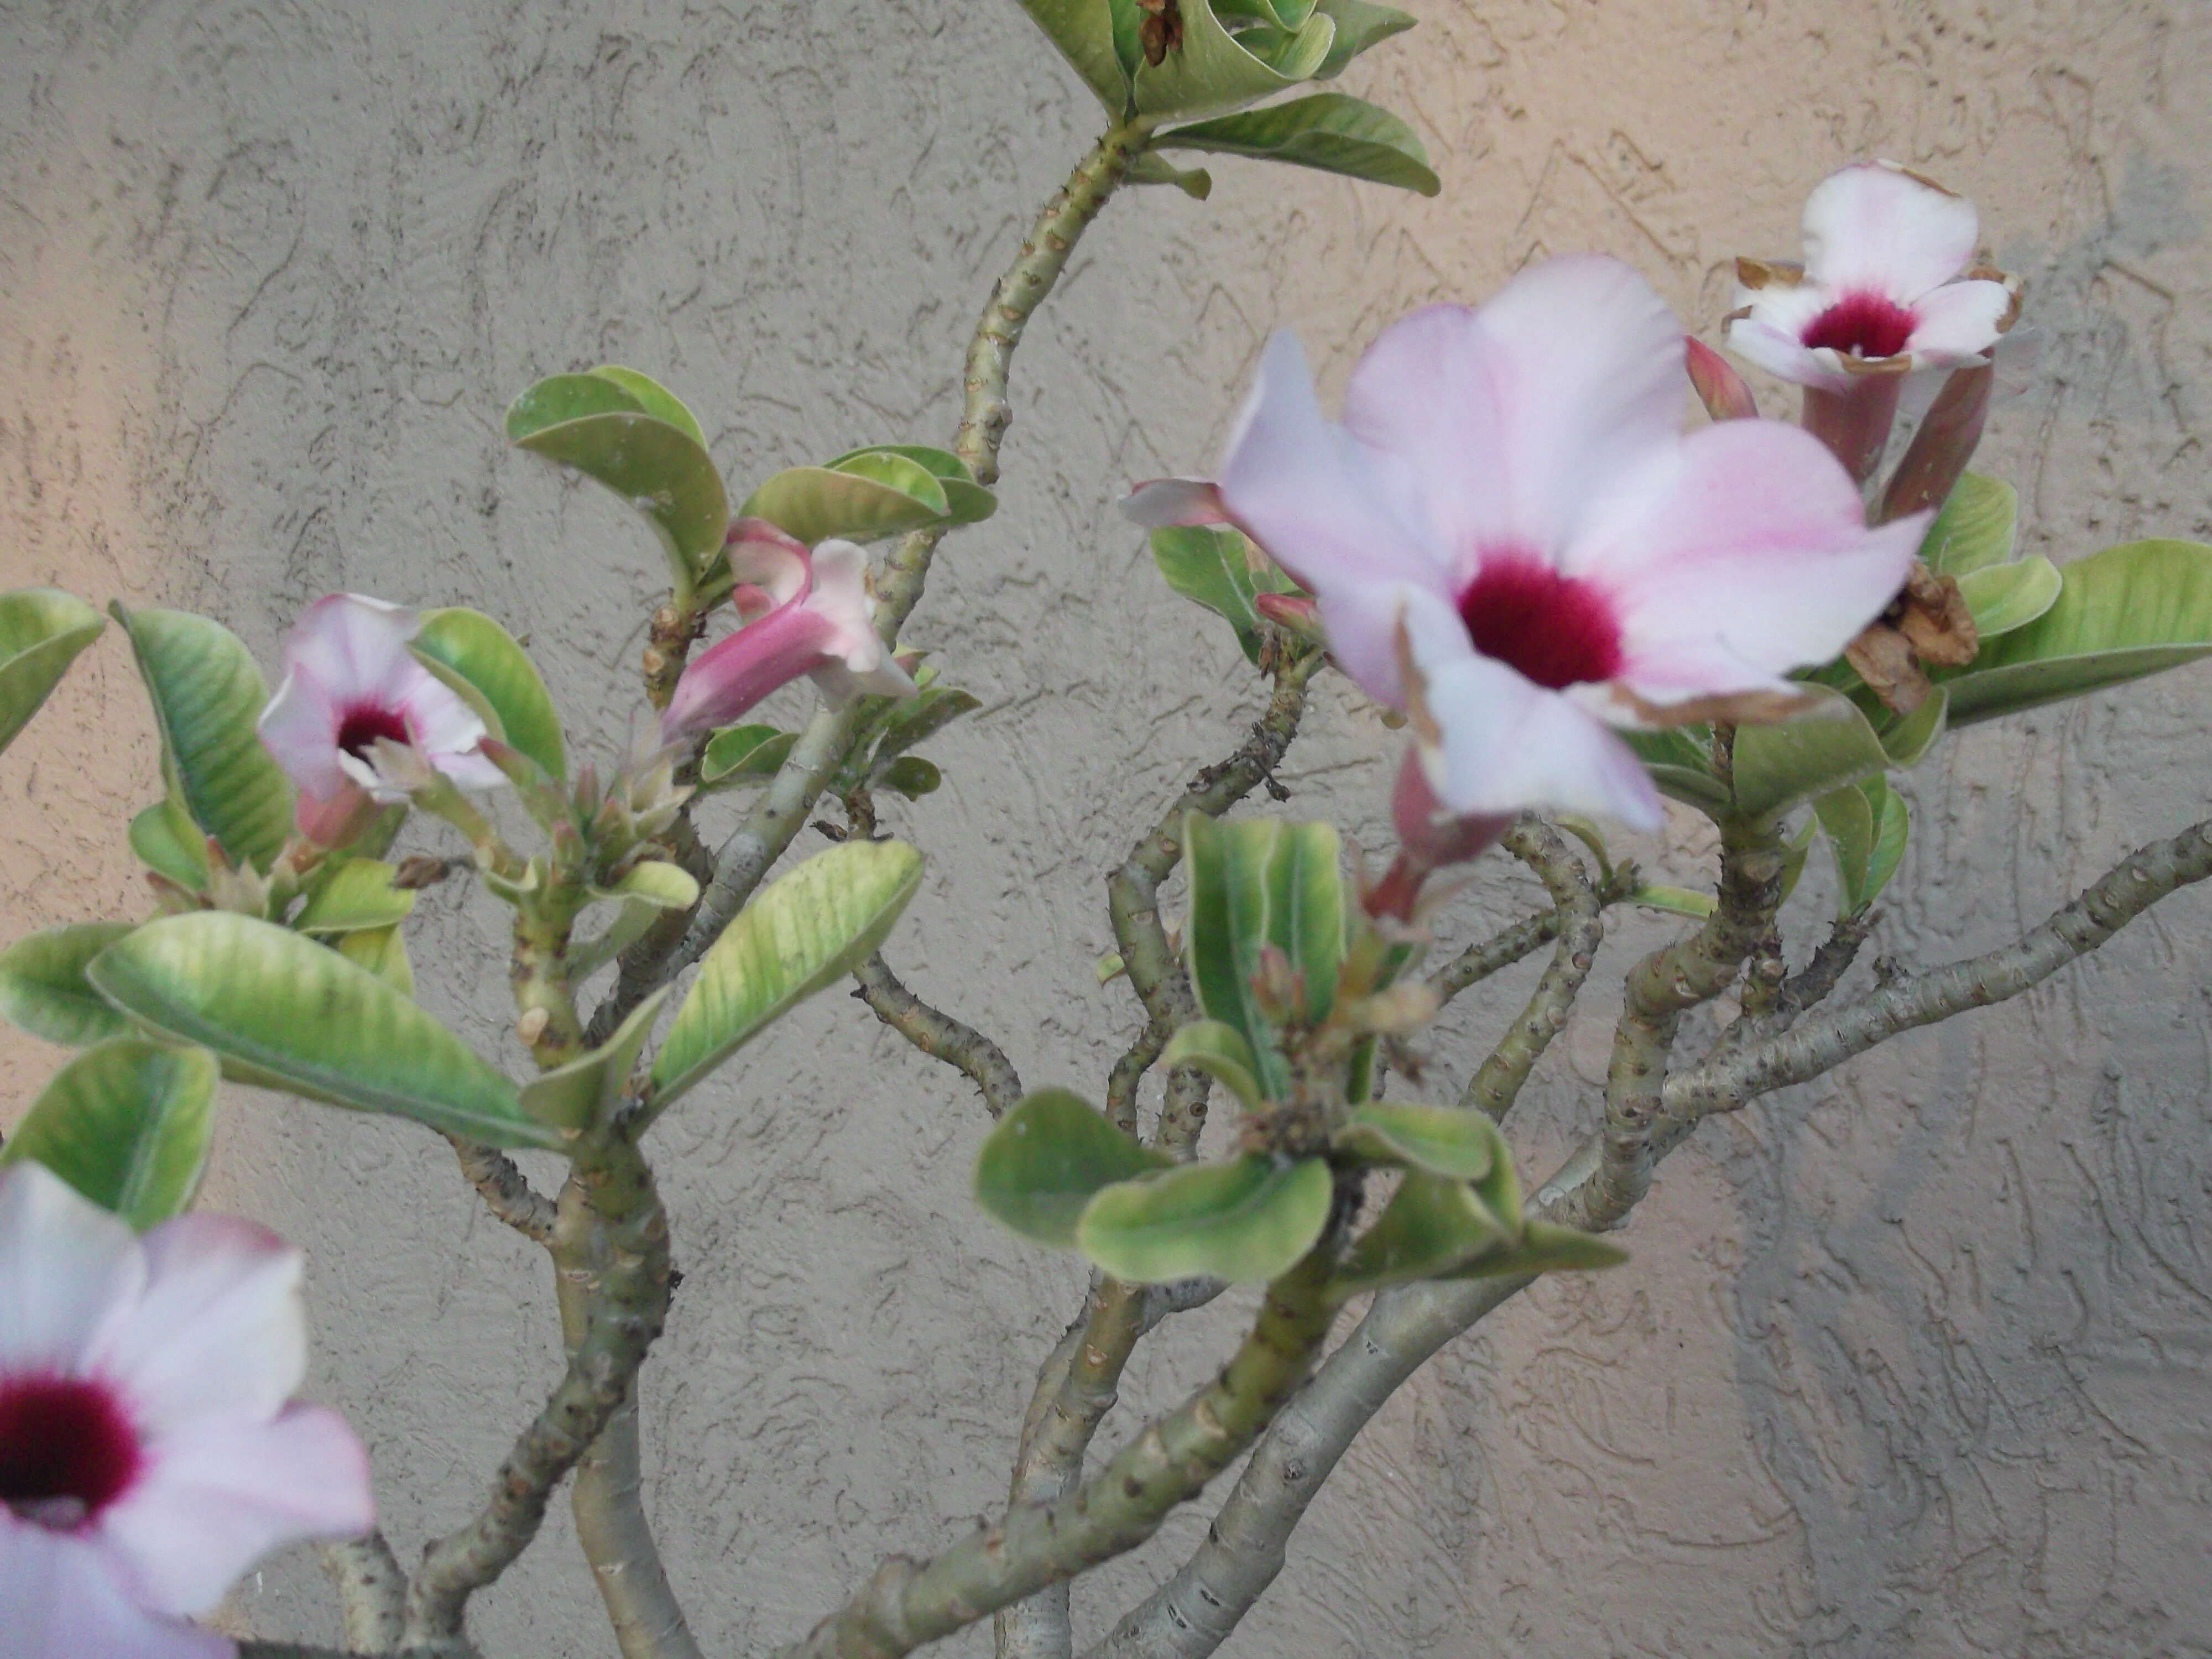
column 1880, row 291
column 1511, row 537
column 148, row 1452
column 348, row 680
column 806, row 613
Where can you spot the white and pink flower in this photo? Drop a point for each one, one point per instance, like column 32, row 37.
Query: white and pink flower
column 804, row 613
column 1888, row 285
column 1511, row 537
column 350, row 680
column 150, row 1453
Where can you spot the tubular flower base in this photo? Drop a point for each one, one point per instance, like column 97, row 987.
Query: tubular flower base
column 149, row 1453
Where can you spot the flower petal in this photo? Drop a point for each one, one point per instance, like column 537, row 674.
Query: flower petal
column 736, row 672
column 65, row 1265
column 1744, row 554
column 217, row 1330
column 1959, row 323
column 766, row 557
column 299, row 728
column 1504, row 416
column 348, row 642
column 65, row 1599
column 1496, row 743
column 217, row 1498
column 1878, row 228
column 840, row 598
column 1300, row 488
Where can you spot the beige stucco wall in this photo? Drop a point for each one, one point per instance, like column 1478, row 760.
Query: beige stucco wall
column 1913, row 1363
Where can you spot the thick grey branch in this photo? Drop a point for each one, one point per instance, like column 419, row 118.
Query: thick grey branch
column 625, row 1316
column 506, row 1192
column 372, row 1591
column 1580, row 923
column 938, row 1035
column 1188, row 1616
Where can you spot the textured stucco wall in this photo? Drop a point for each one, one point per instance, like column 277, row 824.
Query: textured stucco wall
column 1911, row 1362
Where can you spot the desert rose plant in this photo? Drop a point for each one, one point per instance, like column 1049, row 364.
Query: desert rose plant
column 1573, row 600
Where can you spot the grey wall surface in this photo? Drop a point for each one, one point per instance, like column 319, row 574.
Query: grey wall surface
column 1913, row 1362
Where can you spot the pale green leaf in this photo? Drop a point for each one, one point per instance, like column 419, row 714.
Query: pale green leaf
column 167, row 842
column 1220, row 1051
column 813, row 503
column 1083, row 32
column 1209, row 565
column 1329, row 131
column 966, row 501
column 1251, row 1218
column 207, row 695
column 2003, row 597
column 1545, row 1249
column 1359, row 25
column 42, row 630
column 1213, row 70
column 354, row 894
column 281, row 1010
column 1433, row 1226
column 1153, row 168
column 471, row 644
column 802, row 931
column 383, row 952
column 1975, row 528
column 654, row 399
column 660, row 470
column 1048, row 1158
column 1781, row 766
column 738, row 754
column 127, row 1124
column 2131, row 611
column 1459, row 1144
column 43, row 989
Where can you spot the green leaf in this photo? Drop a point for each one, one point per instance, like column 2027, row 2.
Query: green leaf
column 2003, row 597
column 1359, row 25
column 1083, row 32
column 1209, row 565
column 799, row 933
column 1213, row 70
column 560, row 399
column 1681, row 765
column 1220, row 1051
column 1251, row 1218
column 1893, row 828
column 918, row 718
column 127, row 1124
column 1867, row 826
column 167, row 842
column 471, row 644
column 1431, row 1226
column 966, row 501
column 1779, row 766
column 588, row 1090
column 1907, row 740
column 2131, row 611
column 43, row 989
column 1305, row 909
column 1046, row 1159
column 737, row 753
column 661, row 469
column 355, row 894
column 647, row 892
column 813, row 503
column 1228, row 929
column 909, row 775
column 1331, row 132
column 1460, row 1144
column 1545, row 1249
column 653, row 398
column 1153, row 168
column 1975, row 528
column 383, row 952
column 281, row 1010
column 207, row 694
column 41, row 631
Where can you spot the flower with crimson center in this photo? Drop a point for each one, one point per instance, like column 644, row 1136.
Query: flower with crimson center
column 150, row 1453
column 1510, row 537
column 1885, row 288
column 805, row 612
column 350, row 680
